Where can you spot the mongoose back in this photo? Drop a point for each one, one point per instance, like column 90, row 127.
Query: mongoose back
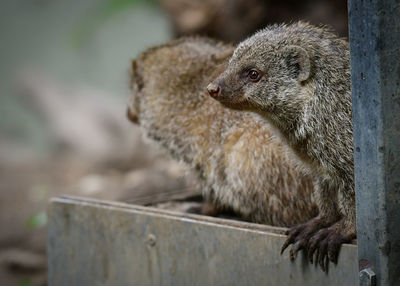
column 241, row 163
column 298, row 78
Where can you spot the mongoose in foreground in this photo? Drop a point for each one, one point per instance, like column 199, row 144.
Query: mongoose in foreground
column 241, row 164
column 298, row 78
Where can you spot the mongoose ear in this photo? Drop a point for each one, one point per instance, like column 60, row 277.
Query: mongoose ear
column 298, row 62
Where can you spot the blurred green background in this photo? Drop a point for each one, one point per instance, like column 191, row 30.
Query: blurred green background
column 78, row 43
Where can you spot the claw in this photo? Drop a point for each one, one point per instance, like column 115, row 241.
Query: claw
column 300, row 235
column 292, row 235
column 311, row 249
column 324, row 263
column 295, row 249
column 322, row 256
column 314, row 241
column 325, row 243
column 316, row 255
column 321, row 260
column 332, row 256
column 333, row 250
column 288, row 242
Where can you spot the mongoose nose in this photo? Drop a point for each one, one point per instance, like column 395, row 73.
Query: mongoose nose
column 214, row 90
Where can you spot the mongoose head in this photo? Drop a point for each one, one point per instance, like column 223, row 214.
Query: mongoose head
column 273, row 71
column 170, row 79
column 266, row 71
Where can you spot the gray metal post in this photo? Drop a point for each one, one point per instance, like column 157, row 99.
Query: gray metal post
column 375, row 72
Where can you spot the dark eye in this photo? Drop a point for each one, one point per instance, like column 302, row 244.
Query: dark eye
column 254, row 75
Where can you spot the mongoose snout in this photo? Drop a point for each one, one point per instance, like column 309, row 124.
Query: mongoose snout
column 221, row 90
column 214, row 90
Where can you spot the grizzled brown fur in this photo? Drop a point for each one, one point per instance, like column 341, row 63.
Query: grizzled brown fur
column 298, row 77
column 240, row 161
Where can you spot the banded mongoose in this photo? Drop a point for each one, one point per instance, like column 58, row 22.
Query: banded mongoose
column 298, row 78
column 241, row 163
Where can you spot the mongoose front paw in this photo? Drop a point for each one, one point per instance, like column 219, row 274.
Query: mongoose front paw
column 326, row 243
column 300, row 235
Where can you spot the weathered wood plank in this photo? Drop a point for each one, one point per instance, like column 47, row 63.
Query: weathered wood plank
column 106, row 243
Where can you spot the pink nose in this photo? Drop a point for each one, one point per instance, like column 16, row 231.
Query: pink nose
column 214, row 90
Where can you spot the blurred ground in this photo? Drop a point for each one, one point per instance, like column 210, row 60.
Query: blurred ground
column 64, row 85
column 26, row 190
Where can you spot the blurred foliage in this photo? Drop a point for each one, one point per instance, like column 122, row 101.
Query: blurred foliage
column 112, row 7
column 101, row 13
column 68, row 47
column 25, row 282
column 37, row 220
column 39, row 192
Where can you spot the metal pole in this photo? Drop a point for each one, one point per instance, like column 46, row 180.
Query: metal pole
column 375, row 71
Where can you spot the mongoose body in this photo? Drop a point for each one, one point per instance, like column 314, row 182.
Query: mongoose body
column 297, row 77
column 241, row 163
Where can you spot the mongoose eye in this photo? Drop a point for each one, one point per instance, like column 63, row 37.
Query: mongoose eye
column 254, row 75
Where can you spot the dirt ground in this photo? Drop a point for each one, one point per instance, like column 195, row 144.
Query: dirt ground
column 27, row 187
